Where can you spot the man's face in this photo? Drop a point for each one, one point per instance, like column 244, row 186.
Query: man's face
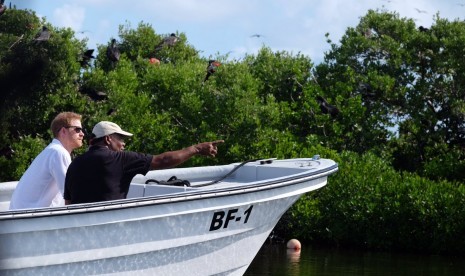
column 75, row 134
column 116, row 142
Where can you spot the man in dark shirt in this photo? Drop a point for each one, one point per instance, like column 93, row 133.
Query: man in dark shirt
column 105, row 171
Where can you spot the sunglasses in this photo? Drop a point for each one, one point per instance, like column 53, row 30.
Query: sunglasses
column 76, row 128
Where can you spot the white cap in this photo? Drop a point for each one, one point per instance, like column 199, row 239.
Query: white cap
column 105, row 128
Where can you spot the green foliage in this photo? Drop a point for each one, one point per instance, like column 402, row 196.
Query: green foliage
column 281, row 74
column 404, row 77
column 34, row 75
column 368, row 204
column 445, row 163
column 26, row 149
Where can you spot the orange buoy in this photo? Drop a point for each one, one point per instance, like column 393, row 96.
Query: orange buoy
column 294, row 244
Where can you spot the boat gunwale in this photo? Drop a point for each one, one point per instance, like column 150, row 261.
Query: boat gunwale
column 260, row 185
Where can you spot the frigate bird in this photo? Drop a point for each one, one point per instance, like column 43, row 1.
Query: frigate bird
column 86, row 57
column 211, row 68
column 423, row 29
column 44, row 35
column 113, row 52
column 93, row 93
column 327, row 108
column 167, row 41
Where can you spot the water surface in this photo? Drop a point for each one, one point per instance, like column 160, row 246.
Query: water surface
column 277, row 260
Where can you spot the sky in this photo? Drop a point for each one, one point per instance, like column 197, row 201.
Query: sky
column 221, row 27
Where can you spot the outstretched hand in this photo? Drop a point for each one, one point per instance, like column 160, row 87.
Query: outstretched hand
column 208, row 148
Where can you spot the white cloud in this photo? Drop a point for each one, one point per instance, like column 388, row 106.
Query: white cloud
column 180, row 10
column 71, row 16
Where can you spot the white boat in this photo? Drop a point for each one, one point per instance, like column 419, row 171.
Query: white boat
column 214, row 227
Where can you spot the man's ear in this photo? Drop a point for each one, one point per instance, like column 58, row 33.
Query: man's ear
column 62, row 130
column 107, row 139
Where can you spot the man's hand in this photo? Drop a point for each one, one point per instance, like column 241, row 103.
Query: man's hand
column 208, row 148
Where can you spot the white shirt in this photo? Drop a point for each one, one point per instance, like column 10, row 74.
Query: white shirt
column 42, row 185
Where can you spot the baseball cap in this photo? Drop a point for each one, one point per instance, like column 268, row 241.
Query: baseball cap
column 105, row 128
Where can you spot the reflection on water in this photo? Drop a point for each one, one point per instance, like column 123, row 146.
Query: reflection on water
column 293, row 261
column 277, row 260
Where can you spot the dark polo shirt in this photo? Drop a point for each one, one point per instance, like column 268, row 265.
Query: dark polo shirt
column 101, row 174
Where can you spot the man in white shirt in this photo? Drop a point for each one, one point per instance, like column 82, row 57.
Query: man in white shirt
column 42, row 185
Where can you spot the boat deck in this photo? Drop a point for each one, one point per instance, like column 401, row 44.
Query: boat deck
column 212, row 179
column 251, row 172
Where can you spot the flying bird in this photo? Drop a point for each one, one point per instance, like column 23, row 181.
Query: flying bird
column 211, row 68
column 167, row 41
column 420, row 11
column 86, row 57
column 257, row 35
column 113, row 52
column 327, row 108
column 44, row 35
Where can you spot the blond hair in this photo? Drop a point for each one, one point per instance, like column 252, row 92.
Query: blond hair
column 63, row 120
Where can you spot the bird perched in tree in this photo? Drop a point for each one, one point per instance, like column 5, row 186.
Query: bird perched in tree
column 2, row 7
column 93, row 93
column 423, row 29
column 86, row 57
column 44, row 35
column 211, row 68
column 327, row 108
column 111, row 111
column 367, row 33
column 167, row 41
column 113, row 52
column 366, row 90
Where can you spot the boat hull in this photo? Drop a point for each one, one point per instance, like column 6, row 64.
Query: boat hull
column 209, row 233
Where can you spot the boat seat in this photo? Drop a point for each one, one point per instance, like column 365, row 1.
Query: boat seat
column 136, row 190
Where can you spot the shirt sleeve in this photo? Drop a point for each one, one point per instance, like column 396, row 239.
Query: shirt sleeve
column 136, row 163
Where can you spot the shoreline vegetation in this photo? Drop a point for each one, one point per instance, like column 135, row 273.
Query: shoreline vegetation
column 368, row 205
column 386, row 104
